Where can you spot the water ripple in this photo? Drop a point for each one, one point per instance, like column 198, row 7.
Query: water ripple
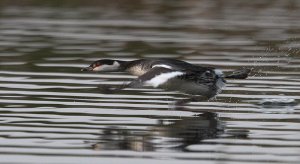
column 50, row 111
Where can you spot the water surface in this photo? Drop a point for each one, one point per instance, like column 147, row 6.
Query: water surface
column 52, row 112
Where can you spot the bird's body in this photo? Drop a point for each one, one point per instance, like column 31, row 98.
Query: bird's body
column 170, row 74
column 141, row 66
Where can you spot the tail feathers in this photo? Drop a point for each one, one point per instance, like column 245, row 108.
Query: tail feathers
column 238, row 74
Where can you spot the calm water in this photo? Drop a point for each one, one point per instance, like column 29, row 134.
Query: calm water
column 50, row 112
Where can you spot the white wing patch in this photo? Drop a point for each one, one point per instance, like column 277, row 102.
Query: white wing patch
column 218, row 72
column 162, row 78
column 162, row 65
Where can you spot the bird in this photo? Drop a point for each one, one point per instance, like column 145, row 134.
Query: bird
column 170, row 74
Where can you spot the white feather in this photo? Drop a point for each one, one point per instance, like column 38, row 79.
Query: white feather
column 220, row 84
column 112, row 67
column 162, row 78
column 218, row 72
column 162, row 65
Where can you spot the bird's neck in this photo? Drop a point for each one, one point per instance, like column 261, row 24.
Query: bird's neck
column 123, row 65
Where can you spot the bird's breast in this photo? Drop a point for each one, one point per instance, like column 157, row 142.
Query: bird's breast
column 136, row 70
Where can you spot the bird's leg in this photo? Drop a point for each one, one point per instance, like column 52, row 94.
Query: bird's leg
column 239, row 74
column 110, row 90
column 106, row 89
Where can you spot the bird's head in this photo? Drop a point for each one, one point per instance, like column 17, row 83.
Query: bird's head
column 104, row 65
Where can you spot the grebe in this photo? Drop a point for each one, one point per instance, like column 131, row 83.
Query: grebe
column 171, row 74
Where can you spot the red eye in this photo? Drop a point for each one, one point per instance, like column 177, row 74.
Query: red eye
column 95, row 65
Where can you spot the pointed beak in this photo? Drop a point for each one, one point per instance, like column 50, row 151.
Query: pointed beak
column 87, row 69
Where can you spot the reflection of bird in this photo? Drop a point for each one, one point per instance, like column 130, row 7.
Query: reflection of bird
column 192, row 130
column 170, row 74
column 167, row 134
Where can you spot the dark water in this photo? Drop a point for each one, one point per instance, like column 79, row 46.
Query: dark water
column 50, row 112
